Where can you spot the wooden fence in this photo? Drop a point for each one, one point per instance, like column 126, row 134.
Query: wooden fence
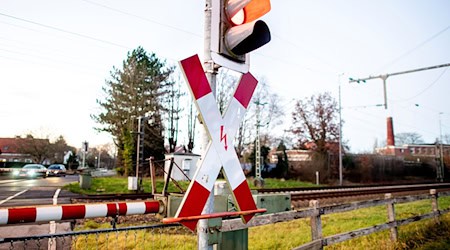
column 314, row 212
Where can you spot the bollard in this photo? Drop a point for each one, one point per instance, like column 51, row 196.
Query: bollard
column 85, row 180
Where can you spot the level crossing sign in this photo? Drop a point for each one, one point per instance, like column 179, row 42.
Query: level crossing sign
column 220, row 151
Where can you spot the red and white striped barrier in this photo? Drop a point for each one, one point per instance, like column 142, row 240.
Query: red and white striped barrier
column 76, row 211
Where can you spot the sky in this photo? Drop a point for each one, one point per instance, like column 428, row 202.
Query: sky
column 56, row 55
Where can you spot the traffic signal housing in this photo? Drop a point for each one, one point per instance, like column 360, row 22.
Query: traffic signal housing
column 236, row 31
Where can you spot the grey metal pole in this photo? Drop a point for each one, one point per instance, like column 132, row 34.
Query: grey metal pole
column 258, row 146
column 138, row 146
column 384, row 77
column 208, row 64
column 340, row 136
column 98, row 162
column 84, row 154
column 441, row 151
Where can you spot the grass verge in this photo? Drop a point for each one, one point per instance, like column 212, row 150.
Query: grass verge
column 119, row 185
column 423, row 234
column 287, row 235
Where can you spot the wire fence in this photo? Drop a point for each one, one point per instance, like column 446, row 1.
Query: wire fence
column 161, row 236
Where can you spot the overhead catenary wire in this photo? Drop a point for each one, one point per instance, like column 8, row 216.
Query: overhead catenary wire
column 395, row 60
column 423, row 90
column 65, row 31
column 60, row 30
column 143, row 18
column 336, row 69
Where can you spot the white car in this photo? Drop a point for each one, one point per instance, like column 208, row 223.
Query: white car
column 31, row 171
column 56, row 170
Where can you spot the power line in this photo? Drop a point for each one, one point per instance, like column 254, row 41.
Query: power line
column 89, row 70
column 415, row 48
column 425, row 89
column 313, row 55
column 142, row 18
column 65, row 31
column 385, row 77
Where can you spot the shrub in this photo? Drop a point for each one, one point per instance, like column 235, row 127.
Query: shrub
column 120, row 171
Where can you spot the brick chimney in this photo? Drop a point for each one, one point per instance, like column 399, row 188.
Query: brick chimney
column 390, row 132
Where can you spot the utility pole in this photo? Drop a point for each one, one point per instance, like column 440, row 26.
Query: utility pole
column 211, row 72
column 140, row 152
column 340, row 135
column 441, row 151
column 259, row 181
column 98, row 162
column 85, row 149
column 385, row 77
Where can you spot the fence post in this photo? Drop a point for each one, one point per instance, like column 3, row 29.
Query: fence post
column 391, row 216
column 434, row 204
column 153, row 174
column 316, row 222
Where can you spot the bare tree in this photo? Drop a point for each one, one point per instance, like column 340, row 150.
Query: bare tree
column 173, row 109
column 315, row 120
column 446, row 138
column 192, row 121
column 42, row 149
column 265, row 106
column 39, row 149
column 60, row 149
column 270, row 113
column 408, row 138
column 226, row 83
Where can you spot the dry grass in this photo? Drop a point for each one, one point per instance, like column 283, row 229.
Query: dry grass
column 288, row 235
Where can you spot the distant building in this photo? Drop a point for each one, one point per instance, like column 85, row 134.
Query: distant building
column 418, row 150
column 293, row 155
column 423, row 150
column 303, row 155
column 9, row 151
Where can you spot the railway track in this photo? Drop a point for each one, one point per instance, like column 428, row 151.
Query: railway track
column 299, row 194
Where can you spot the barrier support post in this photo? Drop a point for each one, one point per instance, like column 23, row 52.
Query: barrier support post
column 391, row 216
column 434, row 204
column 316, row 224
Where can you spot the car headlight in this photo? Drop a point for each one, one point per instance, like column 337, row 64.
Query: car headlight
column 16, row 172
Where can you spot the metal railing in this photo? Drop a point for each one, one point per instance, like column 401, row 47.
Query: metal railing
column 314, row 213
column 160, row 236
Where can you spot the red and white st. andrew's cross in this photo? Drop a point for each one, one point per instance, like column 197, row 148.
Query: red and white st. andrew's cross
column 220, row 151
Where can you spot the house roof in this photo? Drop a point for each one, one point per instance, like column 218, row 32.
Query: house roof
column 9, row 145
column 12, row 145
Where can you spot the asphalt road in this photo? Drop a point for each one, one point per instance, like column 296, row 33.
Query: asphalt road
column 30, row 192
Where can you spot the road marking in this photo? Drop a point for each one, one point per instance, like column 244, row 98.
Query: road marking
column 9, row 181
column 52, row 242
column 13, row 196
column 55, row 196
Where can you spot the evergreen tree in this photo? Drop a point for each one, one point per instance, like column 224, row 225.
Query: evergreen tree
column 135, row 91
column 283, row 163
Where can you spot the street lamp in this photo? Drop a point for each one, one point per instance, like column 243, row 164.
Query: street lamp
column 340, row 131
